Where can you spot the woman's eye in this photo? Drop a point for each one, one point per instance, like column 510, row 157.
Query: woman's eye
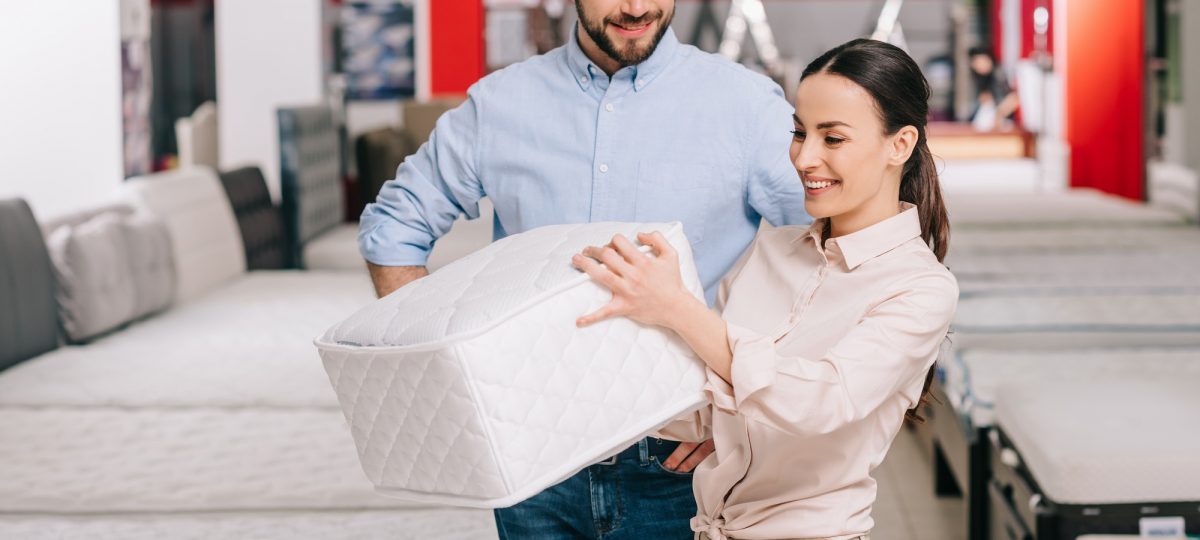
column 834, row 141
column 799, row 135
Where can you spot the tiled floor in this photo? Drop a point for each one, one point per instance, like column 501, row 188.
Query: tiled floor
column 906, row 508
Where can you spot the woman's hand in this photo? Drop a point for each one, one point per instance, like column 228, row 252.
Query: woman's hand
column 645, row 288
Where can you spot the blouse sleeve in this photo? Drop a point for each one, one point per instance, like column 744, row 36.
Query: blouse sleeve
column 692, row 427
column 892, row 345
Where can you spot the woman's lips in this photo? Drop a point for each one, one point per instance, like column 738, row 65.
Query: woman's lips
column 815, row 185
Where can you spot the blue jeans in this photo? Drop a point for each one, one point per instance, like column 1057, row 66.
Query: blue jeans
column 629, row 496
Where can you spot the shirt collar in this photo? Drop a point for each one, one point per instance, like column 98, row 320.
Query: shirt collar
column 585, row 71
column 862, row 246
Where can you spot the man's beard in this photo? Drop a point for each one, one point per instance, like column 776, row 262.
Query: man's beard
column 630, row 55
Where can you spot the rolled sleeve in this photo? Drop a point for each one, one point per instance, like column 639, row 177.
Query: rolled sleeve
column 432, row 188
column 753, row 369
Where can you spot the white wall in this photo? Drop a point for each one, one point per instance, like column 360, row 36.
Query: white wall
column 269, row 54
column 60, row 99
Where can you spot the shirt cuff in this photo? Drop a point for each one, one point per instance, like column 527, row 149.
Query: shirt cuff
column 377, row 248
column 753, row 369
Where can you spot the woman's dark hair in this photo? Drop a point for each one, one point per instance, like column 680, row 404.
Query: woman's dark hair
column 901, row 96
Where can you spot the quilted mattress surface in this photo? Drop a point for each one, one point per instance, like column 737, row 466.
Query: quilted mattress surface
column 973, row 377
column 104, row 461
column 1116, row 441
column 474, row 387
column 1053, row 319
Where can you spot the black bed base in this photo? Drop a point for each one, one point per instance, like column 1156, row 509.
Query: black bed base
column 1018, row 509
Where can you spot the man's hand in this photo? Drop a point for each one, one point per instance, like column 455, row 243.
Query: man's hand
column 389, row 278
column 685, row 458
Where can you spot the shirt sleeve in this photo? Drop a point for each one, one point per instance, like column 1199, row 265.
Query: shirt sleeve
column 773, row 187
column 431, row 189
column 894, row 344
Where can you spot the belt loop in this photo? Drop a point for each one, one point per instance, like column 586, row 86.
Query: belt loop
column 644, row 451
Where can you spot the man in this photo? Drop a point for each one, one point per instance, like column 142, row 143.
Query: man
column 623, row 123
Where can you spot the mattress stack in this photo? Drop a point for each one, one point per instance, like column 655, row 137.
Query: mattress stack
column 1072, row 303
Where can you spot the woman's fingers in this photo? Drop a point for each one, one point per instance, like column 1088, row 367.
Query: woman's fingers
column 629, row 250
column 659, row 244
column 607, row 312
column 609, row 257
column 615, row 262
column 702, row 451
column 599, row 274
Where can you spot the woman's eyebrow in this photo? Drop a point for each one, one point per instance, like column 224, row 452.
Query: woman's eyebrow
column 822, row 125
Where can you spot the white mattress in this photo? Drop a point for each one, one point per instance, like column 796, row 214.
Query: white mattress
column 261, row 307
column 414, row 524
column 1079, row 208
column 1176, row 269
column 245, row 345
column 473, row 387
column 1077, row 319
column 1128, row 240
column 104, row 461
column 973, row 377
column 1116, row 441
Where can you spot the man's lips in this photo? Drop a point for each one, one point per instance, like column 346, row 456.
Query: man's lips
column 632, row 31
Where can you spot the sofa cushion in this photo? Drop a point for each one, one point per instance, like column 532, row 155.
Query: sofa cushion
column 259, row 219
column 205, row 240
column 29, row 320
column 96, row 289
column 151, row 263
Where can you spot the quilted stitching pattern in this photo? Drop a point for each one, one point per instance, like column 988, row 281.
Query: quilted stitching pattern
column 486, row 286
column 474, row 384
column 408, row 412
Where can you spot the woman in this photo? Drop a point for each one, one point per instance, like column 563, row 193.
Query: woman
column 828, row 334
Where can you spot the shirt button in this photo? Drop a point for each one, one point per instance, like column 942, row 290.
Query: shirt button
column 583, row 80
column 603, row 168
column 609, row 107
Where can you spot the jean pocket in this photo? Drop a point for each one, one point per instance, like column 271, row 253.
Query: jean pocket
column 655, row 463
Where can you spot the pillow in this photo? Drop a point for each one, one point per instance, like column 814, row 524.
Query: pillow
column 151, row 263
column 96, row 289
column 111, row 269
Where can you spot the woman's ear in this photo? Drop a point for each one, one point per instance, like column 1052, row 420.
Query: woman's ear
column 904, row 142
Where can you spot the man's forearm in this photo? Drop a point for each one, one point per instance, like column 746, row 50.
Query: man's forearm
column 389, row 278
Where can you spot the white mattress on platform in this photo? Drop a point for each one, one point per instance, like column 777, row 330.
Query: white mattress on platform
column 1077, row 319
column 260, row 307
column 247, row 344
column 1077, row 208
column 1102, row 270
column 1106, row 442
column 1129, row 240
column 409, row 524
column 972, row 378
column 105, row 461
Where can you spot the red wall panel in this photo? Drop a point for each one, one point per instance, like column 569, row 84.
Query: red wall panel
column 456, row 45
column 1104, row 95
